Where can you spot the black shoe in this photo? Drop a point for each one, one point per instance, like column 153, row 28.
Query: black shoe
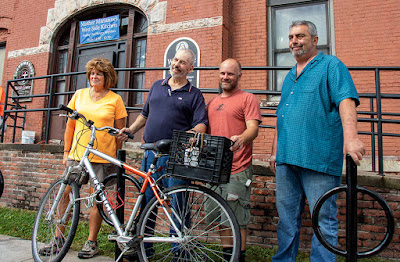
column 131, row 257
column 180, row 256
column 227, row 253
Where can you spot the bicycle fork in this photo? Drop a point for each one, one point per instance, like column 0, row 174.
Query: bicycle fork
column 54, row 207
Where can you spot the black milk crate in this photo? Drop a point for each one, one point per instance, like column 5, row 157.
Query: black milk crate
column 200, row 157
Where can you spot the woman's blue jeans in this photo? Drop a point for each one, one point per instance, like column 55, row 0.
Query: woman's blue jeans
column 293, row 186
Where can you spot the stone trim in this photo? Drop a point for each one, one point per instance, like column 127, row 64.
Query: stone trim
column 186, row 25
column 155, row 11
column 29, row 51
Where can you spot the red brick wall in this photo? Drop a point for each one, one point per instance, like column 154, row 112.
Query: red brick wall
column 186, row 10
column 28, row 173
column 249, row 30
column 34, row 121
column 24, row 32
column 365, row 35
column 27, row 21
column 210, row 53
column 366, row 32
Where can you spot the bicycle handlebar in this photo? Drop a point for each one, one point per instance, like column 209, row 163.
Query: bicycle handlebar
column 75, row 115
column 65, row 108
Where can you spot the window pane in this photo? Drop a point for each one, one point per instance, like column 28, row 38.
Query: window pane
column 283, row 59
column 60, row 89
column 60, row 81
column 140, row 61
column 315, row 13
column 64, row 39
column 63, row 59
column 2, row 58
column 140, row 57
column 139, row 84
column 140, row 24
column 123, row 28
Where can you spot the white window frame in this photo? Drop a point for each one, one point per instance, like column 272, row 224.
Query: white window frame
column 274, row 4
column 2, row 59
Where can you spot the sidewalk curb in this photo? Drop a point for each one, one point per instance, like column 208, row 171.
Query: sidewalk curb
column 14, row 249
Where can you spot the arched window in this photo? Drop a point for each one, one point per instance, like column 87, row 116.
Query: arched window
column 69, row 55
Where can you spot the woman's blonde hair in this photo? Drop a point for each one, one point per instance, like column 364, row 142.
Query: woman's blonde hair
column 105, row 66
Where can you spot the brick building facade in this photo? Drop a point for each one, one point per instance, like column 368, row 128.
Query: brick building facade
column 360, row 33
column 245, row 30
column 239, row 29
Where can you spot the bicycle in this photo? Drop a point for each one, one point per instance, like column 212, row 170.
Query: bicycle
column 166, row 229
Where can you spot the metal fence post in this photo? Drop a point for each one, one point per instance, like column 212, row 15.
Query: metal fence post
column 121, row 192
column 351, row 210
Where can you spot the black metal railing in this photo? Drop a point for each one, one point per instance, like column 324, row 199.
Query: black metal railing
column 375, row 115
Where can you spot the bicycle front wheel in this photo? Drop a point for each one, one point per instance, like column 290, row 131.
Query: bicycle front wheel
column 204, row 229
column 55, row 224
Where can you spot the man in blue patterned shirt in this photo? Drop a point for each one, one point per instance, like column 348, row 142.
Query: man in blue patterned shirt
column 316, row 124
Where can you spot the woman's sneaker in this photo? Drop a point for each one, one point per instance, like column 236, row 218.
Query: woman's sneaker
column 89, row 250
column 55, row 246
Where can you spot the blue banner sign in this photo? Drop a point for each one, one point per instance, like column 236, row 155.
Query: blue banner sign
column 101, row 29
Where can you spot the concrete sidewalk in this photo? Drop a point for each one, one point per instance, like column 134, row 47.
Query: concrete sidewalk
column 13, row 249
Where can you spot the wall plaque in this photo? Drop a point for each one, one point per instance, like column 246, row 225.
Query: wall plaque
column 24, row 87
column 174, row 46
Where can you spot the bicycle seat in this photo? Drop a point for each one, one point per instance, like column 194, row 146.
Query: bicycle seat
column 161, row 146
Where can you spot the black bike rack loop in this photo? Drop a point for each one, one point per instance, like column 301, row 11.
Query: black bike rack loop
column 1, row 183
column 351, row 190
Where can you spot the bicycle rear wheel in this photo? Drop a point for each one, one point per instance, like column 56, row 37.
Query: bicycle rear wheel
column 53, row 233
column 210, row 233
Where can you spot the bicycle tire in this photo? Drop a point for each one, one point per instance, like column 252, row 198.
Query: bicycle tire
column 1, row 183
column 201, row 240
column 44, row 230
column 132, row 190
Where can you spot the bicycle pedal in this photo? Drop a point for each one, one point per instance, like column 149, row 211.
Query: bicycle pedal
column 112, row 237
column 124, row 239
column 135, row 241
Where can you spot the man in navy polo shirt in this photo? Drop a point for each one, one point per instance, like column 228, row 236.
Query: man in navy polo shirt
column 172, row 104
column 316, row 124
